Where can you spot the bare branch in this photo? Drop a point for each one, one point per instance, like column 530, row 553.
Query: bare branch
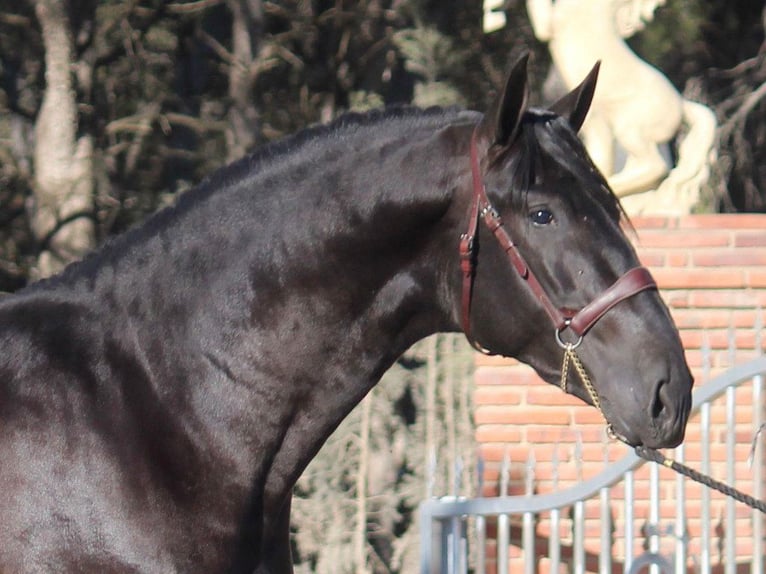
column 751, row 101
column 191, row 7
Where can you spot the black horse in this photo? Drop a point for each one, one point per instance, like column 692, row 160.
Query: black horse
column 159, row 400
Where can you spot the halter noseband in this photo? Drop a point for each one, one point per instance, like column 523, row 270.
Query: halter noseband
column 632, row 282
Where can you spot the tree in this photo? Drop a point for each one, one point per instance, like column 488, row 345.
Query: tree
column 62, row 211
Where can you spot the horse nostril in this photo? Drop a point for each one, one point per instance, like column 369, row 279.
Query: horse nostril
column 658, row 407
column 666, row 409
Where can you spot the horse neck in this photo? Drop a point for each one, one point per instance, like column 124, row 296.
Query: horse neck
column 376, row 248
column 349, row 233
column 247, row 322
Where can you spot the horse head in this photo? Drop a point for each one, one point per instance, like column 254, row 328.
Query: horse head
column 552, row 268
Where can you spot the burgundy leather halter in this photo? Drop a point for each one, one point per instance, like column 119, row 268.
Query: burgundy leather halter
column 578, row 322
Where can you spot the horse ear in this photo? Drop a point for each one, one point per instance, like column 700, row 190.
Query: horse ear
column 501, row 123
column 575, row 105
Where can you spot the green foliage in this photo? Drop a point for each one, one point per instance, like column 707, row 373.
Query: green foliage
column 427, row 52
column 362, row 101
column 671, row 39
column 431, row 57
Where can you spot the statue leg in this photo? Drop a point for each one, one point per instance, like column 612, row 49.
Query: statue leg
column 644, row 168
column 600, row 143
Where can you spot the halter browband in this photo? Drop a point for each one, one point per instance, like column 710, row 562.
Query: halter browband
column 579, row 322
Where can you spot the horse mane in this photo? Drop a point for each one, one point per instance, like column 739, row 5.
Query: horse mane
column 347, row 123
column 547, row 141
column 247, row 169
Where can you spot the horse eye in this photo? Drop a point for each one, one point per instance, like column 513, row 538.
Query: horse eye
column 541, row 216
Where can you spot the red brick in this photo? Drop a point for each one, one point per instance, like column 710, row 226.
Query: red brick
column 587, row 416
column 499, row 395
column 687, row 239
column 550, row 395
column 499, row 433
column 715, row 318
column 676, row 299
column 756, row 278
column 529, row 415
column 742, row 257
column 652, row 259
column 493, row 360
column 699, row 278
column 717, row 339
column 510, row 375
column 725, row 221
column 750, row 239
column 726, row 298
column 652, row 222
column 677, row 258
column 517, row 454
column 492, row 376
column 534, row 434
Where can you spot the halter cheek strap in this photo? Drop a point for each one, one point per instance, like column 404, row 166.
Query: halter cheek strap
column 632, row 282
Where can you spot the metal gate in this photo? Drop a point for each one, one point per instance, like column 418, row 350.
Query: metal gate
column 537, row 533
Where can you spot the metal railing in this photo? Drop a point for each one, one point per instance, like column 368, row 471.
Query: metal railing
column 458, row 535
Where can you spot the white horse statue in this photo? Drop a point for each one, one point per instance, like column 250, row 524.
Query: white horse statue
column 634, row 105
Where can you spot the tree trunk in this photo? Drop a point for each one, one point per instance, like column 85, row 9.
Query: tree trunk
column 360, row 527
column 247, row 26
column 62, row 207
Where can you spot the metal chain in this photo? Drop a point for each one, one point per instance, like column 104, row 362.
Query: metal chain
column 570, row 356
column 650, row 454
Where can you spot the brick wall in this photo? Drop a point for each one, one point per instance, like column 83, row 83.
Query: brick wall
column 711, row 270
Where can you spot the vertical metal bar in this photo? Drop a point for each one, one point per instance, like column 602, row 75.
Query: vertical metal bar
column 629, row 518
column 528, row 542
column 457, row 523
column 757, row 462
column 481, row 545
column 731, row 517
column 481, row 522
column 654, row 513
column 705, row 561
column 680, row 524
column 450, row 543
column 757, row 455
column 579, row 515
column 605, row 552
column 705, row 538
column 528, row 523
column 503, row 526
column 578, row 541
column 426, row 540
column 456, row 535
column 554, row 542
column 463, row 565
column 503, row 535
